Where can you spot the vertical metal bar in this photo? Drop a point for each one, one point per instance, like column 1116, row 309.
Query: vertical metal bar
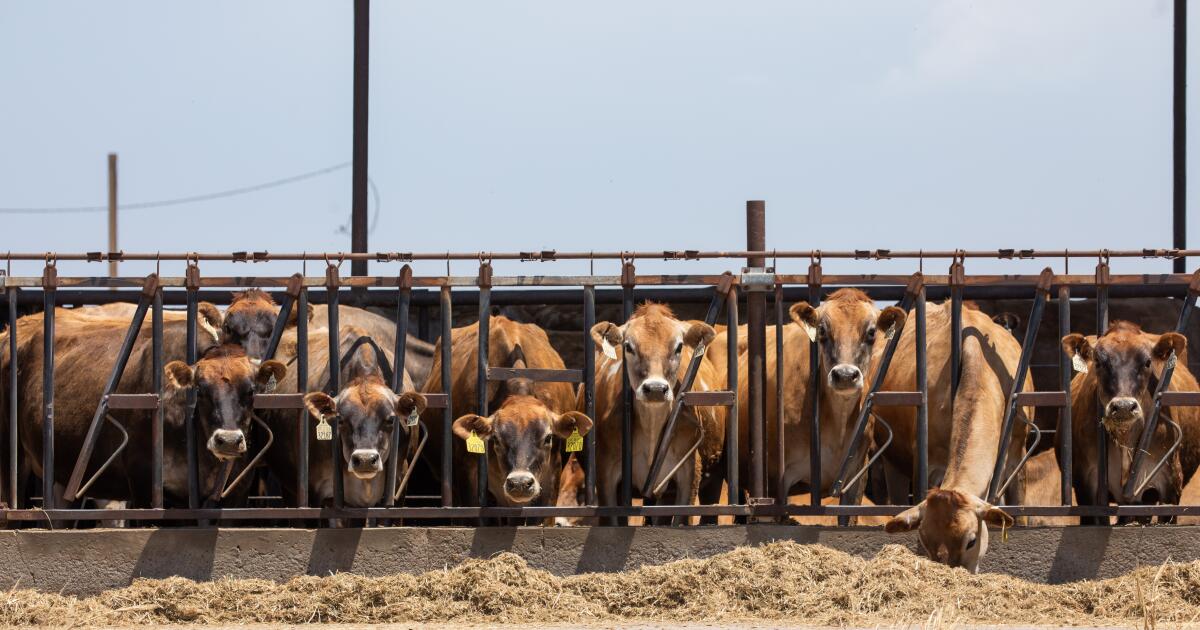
column 1101, row 432
column 14, row 492
column 626, row 401
column 589, row 390
column 189, row 426
column 362, row 75
column 956, row 338
column 756, row 345
column 814, row 372
column 48, row 291
column 781, row 490
column 156, row 433
column 481, row 385
column 1179, row 136
column 921, row 482
column 302, row 387
column 1063, row 431
column 112, row 213
column 448, row 412
column 403, row 301
column 335, row 386
column 731, row 383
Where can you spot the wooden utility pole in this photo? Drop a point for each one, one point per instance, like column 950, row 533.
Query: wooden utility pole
column 112, row 212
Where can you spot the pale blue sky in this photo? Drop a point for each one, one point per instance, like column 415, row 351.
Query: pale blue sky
column 603, row 125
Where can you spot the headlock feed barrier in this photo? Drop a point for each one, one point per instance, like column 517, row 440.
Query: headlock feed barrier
column 755, row 497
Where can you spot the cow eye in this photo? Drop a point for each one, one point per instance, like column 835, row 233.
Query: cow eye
column 629, row 348
column 679, row 348
column 1147, row 364
column 871, row 334
column 822, row 332
column 972, row 540
column 548, row 440
column 391, row 420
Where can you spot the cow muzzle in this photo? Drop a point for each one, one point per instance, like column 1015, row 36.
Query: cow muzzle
column 365, row 463
column 654, row 390
column 227, row 444
column 521, row 487
column 1123, row 409
column 845, row 378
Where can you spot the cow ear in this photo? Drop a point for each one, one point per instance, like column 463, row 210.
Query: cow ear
column 1010, row 321
column 608, row 337
column 320, row 405
column 269, row 374
column 1076, row 344
column 481, row 426
column 905, row 521
column 179, row 375
column 1168, row 343
column 408, row 402
column 891, row 320
column 209, row 318
column 995, row 517
column 293, row 316
column 697, row 333
column 805, row 315
column 570, row 422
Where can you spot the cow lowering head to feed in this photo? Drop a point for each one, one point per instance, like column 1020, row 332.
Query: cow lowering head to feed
column 226, row 381
column 1120, row 373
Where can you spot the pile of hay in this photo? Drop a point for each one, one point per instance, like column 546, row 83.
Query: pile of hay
column 782, row 580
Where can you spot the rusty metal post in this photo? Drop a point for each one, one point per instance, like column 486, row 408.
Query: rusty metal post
column 731, row 384
column 589, row 390
column 285, row 313
column 921, row 481
column 448, row 412
column 756, row 346
column 481, row 379
column 14, row 444
column 191, row 286
column 156, row 432
column 957, row 280
column 49, row 286
column 781, row 490
column 627, row 283
column 399, row 355
column 1103, row 279
column 332, row 282
column 112, row 213
column 358, row 184
column 814, row 370
column 1062, row 432
column 302, row 388
column 1179, row 135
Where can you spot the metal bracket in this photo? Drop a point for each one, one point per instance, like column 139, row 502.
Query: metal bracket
column 405, row 279
column 758, row 279
column 546, row 255
column 628, row 275
column 484, row 281
column 687, row 254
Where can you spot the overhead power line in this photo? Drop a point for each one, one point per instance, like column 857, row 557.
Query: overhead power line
column 144, row 205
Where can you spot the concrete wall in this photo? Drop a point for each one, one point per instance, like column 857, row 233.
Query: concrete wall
column 87, row 561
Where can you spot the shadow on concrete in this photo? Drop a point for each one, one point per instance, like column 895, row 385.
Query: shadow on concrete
column 1078, row 557
column 333, row 550
column 185, row 553
column 489, row 541
column 606, row 549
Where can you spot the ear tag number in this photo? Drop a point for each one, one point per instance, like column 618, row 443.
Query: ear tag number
column 1078, row 363
column 411, row 420
column 609, row 350
column 324, row 431
column 474, row 444
column 574, row 442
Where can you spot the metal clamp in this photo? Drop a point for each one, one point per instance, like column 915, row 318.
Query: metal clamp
column 50, row 273
column 758, row 279
column 405, row 279
column 332, row 279
column 687, row 254
column 957, row 272
column 628, row 273
column 191, row 275
column 484, row 281
column 546, row 255
column 814, row 270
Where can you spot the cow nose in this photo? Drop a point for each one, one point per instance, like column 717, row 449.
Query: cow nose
column 229, row 438
column 519, row 484
column 845, row 376
column 655, row 390
column 1123, row 407
column 364, row 459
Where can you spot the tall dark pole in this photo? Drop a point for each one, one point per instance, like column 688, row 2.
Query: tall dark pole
column 1180, row 135
column 756, row 341
column 362, row 53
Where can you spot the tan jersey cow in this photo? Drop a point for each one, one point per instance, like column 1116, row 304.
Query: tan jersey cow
column 655, row 349
column 953, row 518
column 1123, row 367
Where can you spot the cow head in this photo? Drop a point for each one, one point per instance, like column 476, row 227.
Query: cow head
column 250, row 320
column 1127, row 363
column 521, row 437
column 225, row 381
column 845, row 327
column 652, row 341
column 570, row 490
column 952, row 526
column 367, row 411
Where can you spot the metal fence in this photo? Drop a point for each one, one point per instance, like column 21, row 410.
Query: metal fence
column 750, row 288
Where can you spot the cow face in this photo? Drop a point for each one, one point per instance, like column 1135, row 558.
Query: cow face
column 367, row 412
column 952, row 526
column 250, row 320
column 521, row 437
column 570, row 490
column 652, row 342
column 1127, row 363
column 225, row 381
column 845, row 327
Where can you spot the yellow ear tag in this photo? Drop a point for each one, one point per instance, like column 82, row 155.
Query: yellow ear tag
column 1078, row 363
column 574, row 442
column 324, row 431
column 1003, row 531
column 475, row 444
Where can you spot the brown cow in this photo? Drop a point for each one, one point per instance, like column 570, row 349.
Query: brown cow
column 418, row 354
column 1123, row 367
column 250, row 321
column 847, row 327
column 655, row 349
column 1043, row 486
column 570, row 490
column 523, row 461
column 953, row 517
column 367, row 410
column 85, row 352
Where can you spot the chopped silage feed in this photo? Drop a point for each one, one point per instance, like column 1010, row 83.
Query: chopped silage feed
column 780, row 581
